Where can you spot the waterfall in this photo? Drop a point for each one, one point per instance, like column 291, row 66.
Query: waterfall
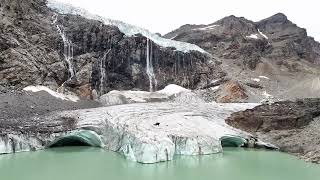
column 67, row 47
column 103, row 71
column 152, row 79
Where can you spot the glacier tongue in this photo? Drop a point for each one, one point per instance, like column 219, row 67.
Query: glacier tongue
column 145, row 132
column 155, row 132
column 127, row 29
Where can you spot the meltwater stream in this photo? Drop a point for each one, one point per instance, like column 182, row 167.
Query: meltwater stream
column 83, row 163
column 67, row 47
column 149, row 68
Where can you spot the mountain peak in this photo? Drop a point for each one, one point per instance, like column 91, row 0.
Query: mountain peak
column 277, row 18
column 233, row 19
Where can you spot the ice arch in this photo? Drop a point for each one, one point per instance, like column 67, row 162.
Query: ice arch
column 77, row 138
column 232, row 141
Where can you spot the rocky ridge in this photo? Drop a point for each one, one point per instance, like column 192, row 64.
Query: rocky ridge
column 273, row 59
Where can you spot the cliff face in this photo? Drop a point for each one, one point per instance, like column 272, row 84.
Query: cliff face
column 275, row 49
column 79, row 55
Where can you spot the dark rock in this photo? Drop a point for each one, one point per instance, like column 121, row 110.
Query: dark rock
column 254, row 85
column 292, row 126
column 278, row 116
column 33, row 52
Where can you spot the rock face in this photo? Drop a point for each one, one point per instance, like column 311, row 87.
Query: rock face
column 292, row 126
column 29, row 45
column 231, row 91
column 238, row 38
column 74, row 54
column 274, row 48
column 145, row 133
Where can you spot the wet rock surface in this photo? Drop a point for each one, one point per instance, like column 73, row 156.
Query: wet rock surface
column 70, row 52
column 292, row 126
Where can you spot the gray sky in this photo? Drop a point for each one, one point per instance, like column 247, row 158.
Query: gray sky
column 166, row 15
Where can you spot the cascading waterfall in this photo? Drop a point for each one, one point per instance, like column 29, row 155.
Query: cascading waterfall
column 103, row 71
column 152, row 79
column 67, row 47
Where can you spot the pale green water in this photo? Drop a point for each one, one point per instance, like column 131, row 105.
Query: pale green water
column 83, row 163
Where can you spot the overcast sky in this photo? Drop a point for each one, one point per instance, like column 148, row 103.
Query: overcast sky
column 164, row 16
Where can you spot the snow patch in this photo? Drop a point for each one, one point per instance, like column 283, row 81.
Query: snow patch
column 253, row 36
column 215, row 88
column 264, row 77
column 173, row 89
column 266, row 95
column 128, row 97
column 263, row 35
column 173, row 37
column 258, row 36
column 52, row 93
column 127, row 29
column 207, row 28
column 255, row 79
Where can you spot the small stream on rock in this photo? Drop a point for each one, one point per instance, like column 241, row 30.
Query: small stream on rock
column 149, row 68
column 67, row 48
column 83, row 163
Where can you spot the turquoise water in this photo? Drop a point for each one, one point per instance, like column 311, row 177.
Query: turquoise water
column 85, row 163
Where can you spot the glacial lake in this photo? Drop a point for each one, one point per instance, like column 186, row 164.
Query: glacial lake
column 86, row 163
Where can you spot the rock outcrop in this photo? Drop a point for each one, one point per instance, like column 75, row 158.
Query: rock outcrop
column 274, row 48
column 231, row 91
column 292, row 126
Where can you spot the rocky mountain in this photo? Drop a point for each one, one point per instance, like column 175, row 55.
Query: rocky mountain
column 64, row 51
column 75, row 52
column 271, row 59
column 70, row 50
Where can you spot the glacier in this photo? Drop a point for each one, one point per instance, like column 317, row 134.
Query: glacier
column 141, row 129
column 194, row 129
column 127, row 29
